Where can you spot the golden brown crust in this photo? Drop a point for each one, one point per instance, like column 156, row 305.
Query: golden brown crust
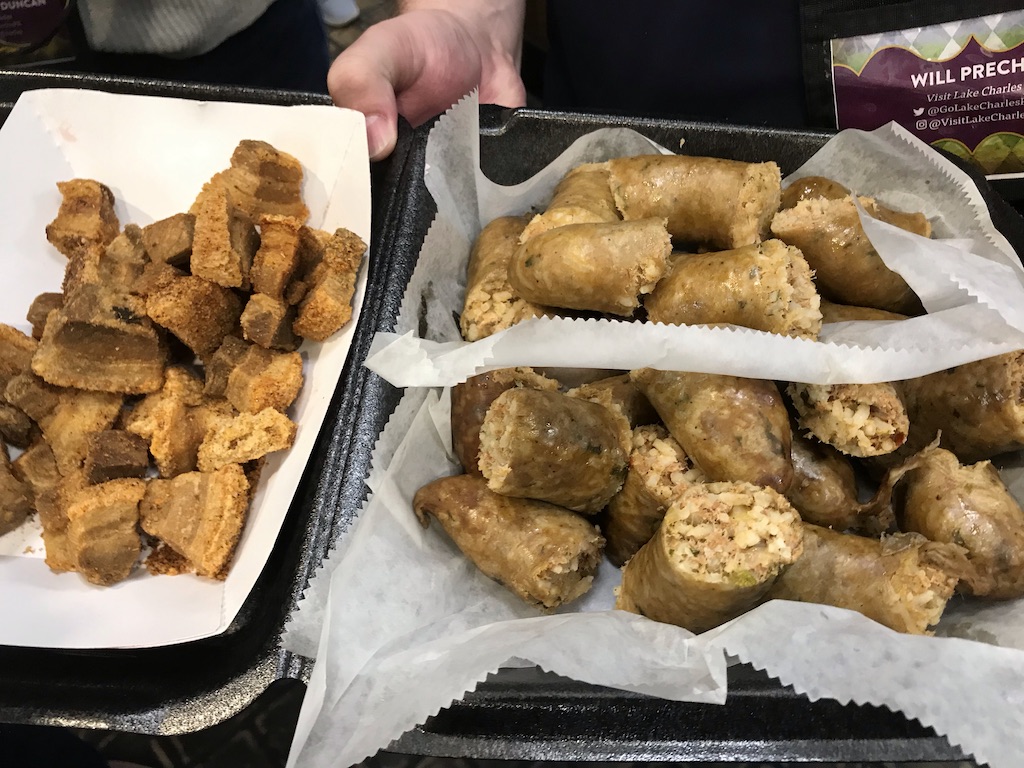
column 734, row 429
column 199, row 514
column 245, row 437
column 225, row 241
column 102, row 530
column 262, row 180
column 169, row 241
column 543, row 553
column 85, row 220
column 268, row 322
column 174, row 305
column 264, row 379
column 278, row 256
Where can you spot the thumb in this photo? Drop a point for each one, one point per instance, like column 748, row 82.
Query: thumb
column 359, row 83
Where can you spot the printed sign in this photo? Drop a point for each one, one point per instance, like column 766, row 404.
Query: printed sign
column 958, row 86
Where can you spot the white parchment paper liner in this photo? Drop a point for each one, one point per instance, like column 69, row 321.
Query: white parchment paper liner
column 402, row 624
column 971, row 282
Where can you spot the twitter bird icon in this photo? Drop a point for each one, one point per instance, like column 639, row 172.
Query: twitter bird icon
column 918, row 112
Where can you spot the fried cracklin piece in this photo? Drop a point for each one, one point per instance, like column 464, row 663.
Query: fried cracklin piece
column 103, row 530
column 330, row 285
column 722, row 203
column 15, row 498
column 969, row 506
column 472, row 398
column 219, row 365
column 278, row 257
column 114, row 454
column 101, row 340
column 659, row 470
column 200, row 515
column 902, row 581
column 85, row 220
column 264, row 378
column 583, row 196
column 543, row 553
column 716, row 554
column 490, row 304
column 857, row 419
column 261, row 180
column 245, row 437
column 169, row 240
column 16, row 351
column 766, row 286
column 225, row 241
column 164, row 420
column 174, row 307
column 40, row 308
column 78, row 415
column 734, row 429
column 602, row 267
column 548, row 446
column 268, row 322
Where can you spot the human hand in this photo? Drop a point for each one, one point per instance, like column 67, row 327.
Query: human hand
column 420, row 62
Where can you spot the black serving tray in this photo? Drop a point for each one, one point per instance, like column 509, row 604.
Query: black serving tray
column 516, row 714
column 526, row 714
column 187, row 687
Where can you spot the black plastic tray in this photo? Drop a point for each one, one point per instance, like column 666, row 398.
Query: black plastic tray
column 188, row 687
column 530, row 715
column 517, row 714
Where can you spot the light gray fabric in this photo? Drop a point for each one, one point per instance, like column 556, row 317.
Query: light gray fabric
column 170, row 27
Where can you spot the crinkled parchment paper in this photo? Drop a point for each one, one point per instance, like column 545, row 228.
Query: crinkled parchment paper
column 402, row 624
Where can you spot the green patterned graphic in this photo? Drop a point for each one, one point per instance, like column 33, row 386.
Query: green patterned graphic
column 998, row 32
column 998, row 153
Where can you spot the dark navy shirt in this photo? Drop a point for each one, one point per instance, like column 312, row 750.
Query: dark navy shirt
column 735, row 61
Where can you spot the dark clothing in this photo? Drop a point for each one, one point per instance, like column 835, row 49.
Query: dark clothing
column 733, row 61
column 285, row 48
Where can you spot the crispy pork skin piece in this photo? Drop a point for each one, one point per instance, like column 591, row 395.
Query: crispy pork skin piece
column 224, row 243
column 114, row 454
column 175, row 308
column 200, row 515
column 86, row 219
column 245, row 437
column 268, row 322
column 103, row 532
column 264, row 378
column 38, row 310
column 169, row 241
column 278, row 256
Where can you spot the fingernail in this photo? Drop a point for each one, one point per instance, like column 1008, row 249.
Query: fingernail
column 380, row 136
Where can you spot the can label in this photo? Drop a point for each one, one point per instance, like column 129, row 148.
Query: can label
column 28, row 23
column 958, row 86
